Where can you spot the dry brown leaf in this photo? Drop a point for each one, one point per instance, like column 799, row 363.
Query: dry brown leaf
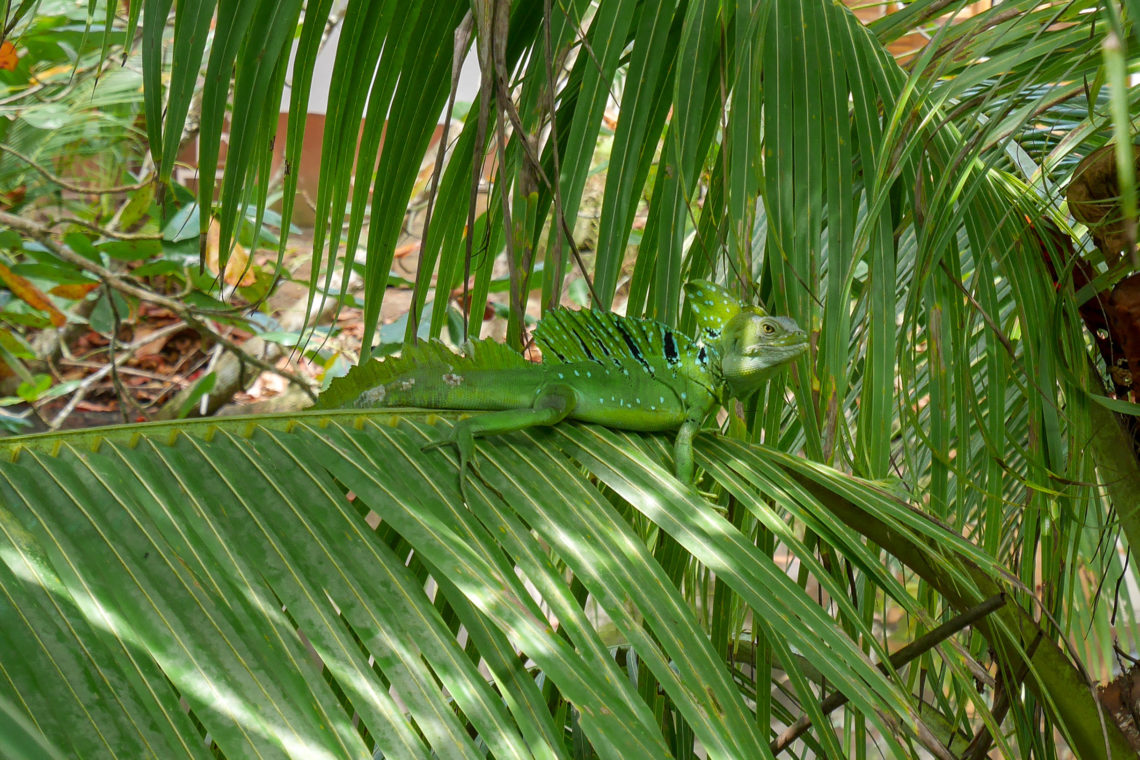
column 238, row 270
column 74, row 291
column 31, row 295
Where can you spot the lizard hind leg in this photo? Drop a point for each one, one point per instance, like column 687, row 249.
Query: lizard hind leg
column 552, row 404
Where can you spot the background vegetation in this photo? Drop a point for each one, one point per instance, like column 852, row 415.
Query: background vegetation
column 917, row 543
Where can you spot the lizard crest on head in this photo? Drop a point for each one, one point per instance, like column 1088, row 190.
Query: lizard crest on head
column 751, row 344
column 713, row 306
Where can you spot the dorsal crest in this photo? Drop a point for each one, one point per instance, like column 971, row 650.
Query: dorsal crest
column 567, row 336
column 713, row 306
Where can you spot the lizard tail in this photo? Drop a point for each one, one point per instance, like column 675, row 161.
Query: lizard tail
column 423, row 357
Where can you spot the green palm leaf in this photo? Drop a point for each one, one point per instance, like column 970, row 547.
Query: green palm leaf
column 314, row 585
column 306, row 587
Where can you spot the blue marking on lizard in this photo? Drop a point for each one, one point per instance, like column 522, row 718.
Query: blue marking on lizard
column 739, row 348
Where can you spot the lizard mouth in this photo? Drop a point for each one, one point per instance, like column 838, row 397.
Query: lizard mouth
column 790, row 347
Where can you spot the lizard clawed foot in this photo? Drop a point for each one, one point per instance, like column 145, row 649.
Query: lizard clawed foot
column 464, row 442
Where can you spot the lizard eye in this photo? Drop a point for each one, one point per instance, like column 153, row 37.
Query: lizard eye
column 768, row 329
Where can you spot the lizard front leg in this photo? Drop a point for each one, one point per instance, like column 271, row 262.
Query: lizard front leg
column 683, row 450
column 552, row 405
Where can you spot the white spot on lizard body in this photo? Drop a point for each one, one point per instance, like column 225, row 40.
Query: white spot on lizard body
column 453, row 379
column 373, row 396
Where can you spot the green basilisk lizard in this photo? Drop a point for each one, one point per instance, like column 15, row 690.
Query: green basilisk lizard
column 620, row 372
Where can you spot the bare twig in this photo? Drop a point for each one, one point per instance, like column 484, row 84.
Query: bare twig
column 536, row 166
column 78, row 396
column 499, row 22
column 910, row 652
column 66, row 184
column 1008, row 684
column 166, row 379
column 548, row 60
column 101, row 230
column 114, row 281
column 462, row 38
column 479, row 152
column 103, row 369
column 23, row 93
column 125, row 399
column 212, row 367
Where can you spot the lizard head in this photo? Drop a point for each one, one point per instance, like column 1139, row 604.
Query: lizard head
column 751, row 344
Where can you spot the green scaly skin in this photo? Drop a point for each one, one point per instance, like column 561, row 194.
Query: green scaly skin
column 624, row 373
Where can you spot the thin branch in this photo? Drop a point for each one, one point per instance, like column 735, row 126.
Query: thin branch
column 462, row 37
column 23, row 93
column 910, row 652
column 536, row 165
column 929, row 12
column 125, row 399
column 479, row 151
column 101, row 230
column 548, row 61
column 952, row 49
column 41, row 234
column 993, row 325
column 68, row 185
column 103, row 369
column 135, row 371
column 979, row 746
column 112, row 280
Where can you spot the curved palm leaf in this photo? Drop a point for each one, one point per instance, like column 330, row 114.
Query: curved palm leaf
column 313, row 588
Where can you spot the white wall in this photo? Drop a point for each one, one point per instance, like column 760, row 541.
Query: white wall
column 322, row 75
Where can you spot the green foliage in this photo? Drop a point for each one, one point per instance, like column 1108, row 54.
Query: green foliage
column 296, row 531
column 74, row 174
column 63, row 108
